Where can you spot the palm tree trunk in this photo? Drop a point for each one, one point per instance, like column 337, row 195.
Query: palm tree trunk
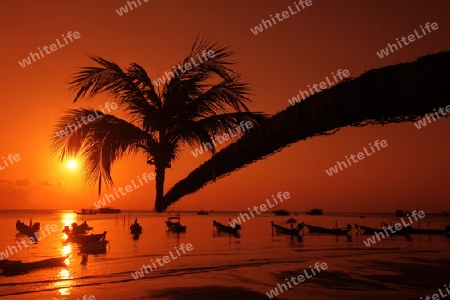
column 393, row 94
column 160, row 177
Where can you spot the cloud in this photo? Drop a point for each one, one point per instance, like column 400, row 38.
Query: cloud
column 52, row 183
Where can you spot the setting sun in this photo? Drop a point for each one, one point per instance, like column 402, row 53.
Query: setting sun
column 72, row 164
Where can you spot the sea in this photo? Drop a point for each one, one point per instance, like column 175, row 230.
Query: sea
column 224, row 266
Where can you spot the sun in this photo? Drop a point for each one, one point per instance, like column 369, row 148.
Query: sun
column 72, row 164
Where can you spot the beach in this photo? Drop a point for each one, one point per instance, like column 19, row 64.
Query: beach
column 225, row 267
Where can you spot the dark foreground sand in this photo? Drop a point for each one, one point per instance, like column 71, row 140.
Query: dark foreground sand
column 386, row 274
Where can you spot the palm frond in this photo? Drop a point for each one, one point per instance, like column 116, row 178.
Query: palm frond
column 99, row 143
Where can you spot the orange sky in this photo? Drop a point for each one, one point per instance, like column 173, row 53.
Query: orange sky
column 410, row 173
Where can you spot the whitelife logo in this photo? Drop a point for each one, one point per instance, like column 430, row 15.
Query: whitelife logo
column 284, row 15
column 411, row 38
column 323, row 85
column 124, row 9
column 33, row 56
column 371, row 241
column 360, row 155
column 90, row 118
column 199, row 150
column 31, row 240
column 11, row 157
column 263, row 207
column 166, row 259
column 423, row 122
column 128, row 189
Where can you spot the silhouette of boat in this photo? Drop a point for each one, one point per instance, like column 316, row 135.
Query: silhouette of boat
column 173, row 225
column 108, row 210
column 86, row 239
column 289, row 231
column 281, row 212
column 85, row 211
column 324, row 230
column 202, row 212
column 94, row 247
column 412, row 230
column 135, row 228
column 29, row 230
column 77, row 229
column 17, row 267
column 401, row 213
column 368, row 230
column 371, row 231
column 227, row 229
column 315, row 212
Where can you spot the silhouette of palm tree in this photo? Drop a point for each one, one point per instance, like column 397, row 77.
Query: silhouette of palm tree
column 188, row 109
column 394, row 94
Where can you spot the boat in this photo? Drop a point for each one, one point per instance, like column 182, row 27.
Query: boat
column 371, row 231
column 334, row 231
column 86, row 239
column 227, row 229
column 315, row 212
column 281, row 212
column 29, row 230
column 108, row 210
column 85, row 211
column 17, row 267
column 202, row 212
column 402, row 213
column 84, row 228
column 289, row 231
column 412, row 230
column 135, row 228
column 173, row 225
column 95, row 247
column 368, row 230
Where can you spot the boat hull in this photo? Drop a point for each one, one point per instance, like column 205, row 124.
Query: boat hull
column 98, row 247
column 226, row 229
column 283, row 230
column 323, row 230
column 12, row 268
column 175, row 227
column 86, row 239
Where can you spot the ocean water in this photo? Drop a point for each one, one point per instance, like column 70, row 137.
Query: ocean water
column 225, row 267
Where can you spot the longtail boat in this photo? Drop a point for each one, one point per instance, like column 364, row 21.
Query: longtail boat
column 95, row 247
column 135, row 228
column 28, row 229
column 289, row 231
column 412, row 230
column 86, row 239
column 324, row 230
column 315, row 212
column 17, row 267
column 85, row 211
column 227, row 229
column 281, row 212
column 84, row 228
column 173, row 225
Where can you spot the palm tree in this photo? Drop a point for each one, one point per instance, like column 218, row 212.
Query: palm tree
column 188, row 109
column 393, row 94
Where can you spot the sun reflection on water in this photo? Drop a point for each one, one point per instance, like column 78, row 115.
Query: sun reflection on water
column 66, row 281
column 64, row 285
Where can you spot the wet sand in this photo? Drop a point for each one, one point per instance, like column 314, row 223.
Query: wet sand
column 351, row 274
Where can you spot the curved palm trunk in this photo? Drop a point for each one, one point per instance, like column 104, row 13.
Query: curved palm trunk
column 393, row 94
column 160, row 177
